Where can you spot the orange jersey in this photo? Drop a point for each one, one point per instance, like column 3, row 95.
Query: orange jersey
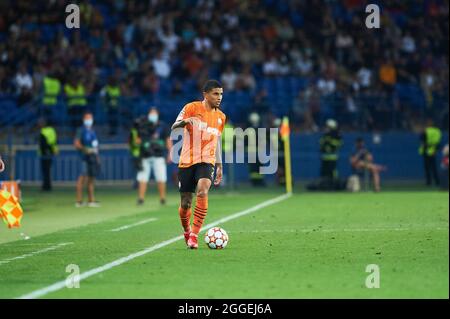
column 200, row 141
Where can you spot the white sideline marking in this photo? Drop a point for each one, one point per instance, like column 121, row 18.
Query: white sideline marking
column 331, row 230
column 135, row 224
column 6, row 261
column 61, row 284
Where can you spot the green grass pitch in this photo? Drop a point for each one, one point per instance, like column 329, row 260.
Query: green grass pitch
column 306, row 246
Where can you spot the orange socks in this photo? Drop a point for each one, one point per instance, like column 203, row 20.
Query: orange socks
column 185, row 217
column 201, row 208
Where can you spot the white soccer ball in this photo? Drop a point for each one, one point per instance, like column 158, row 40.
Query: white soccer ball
column 216, row 238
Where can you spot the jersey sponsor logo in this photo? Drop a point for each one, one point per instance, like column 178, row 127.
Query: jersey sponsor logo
column 203, row 126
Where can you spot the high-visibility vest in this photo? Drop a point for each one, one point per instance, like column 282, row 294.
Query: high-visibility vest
column 135, row 149
column 433, row 137
column 329, row 146
column 75, row 95
column 51, row 137
column 112, row 95
column 52, row 88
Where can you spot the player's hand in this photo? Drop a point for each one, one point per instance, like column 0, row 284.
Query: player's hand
column 2, row 165
column 194, row 121
column 169, row 158
column 218, row 178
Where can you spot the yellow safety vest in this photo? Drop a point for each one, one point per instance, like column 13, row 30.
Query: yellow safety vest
column 75, row 95
column 113, row 95
column 52, row 88
column 433, row 137
column 134, row 147
column 50, row 135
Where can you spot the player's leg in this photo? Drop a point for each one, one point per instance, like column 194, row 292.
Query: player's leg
column 426, row 161
column 80, row 183
column 91, row 196
column 201, row 205
column 204, row 177
column 434, row 170
column 186, row 184
column 142, row 178
column 184, row 212
column 82, row 179
column 160, row 169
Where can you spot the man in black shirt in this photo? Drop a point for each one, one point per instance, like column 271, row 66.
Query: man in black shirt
column 155, row 145
column 330, row 144
column 47, row 149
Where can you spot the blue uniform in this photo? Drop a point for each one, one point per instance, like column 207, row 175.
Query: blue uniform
column 88, row 139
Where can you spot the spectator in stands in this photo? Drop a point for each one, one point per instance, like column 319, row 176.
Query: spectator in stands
column 388, row 75
column 326, row 85
column 86, row 143
column 153, row 137
column 228, row 79
column 245, row 80
column 362, row 161
column 132, row 63
column 364, row 76
column 24, row 84
column 169, row 39
column 111, row 94
column 161, row 65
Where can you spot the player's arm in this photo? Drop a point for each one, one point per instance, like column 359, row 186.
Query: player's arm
column 184, row 119
column 78, row 145
column 219, row 174
column 169, row 145
column 2, row 165
column 219, row 170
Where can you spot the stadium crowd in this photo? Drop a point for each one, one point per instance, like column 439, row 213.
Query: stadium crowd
column 366, row 78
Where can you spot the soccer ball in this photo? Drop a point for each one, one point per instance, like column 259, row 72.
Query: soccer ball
column 216, row 238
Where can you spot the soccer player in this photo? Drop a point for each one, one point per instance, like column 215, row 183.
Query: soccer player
column 203, row 123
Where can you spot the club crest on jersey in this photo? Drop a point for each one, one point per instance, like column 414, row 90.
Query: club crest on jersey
column 219, row 121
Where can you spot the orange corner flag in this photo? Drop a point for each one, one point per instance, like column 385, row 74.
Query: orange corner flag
column 10, row 209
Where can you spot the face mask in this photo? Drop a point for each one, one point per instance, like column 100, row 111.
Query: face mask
column 88, row 122
column 153, row 118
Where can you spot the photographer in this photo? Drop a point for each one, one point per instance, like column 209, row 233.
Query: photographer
column 155, row 145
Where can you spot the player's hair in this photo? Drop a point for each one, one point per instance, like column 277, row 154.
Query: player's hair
column 211, row 84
